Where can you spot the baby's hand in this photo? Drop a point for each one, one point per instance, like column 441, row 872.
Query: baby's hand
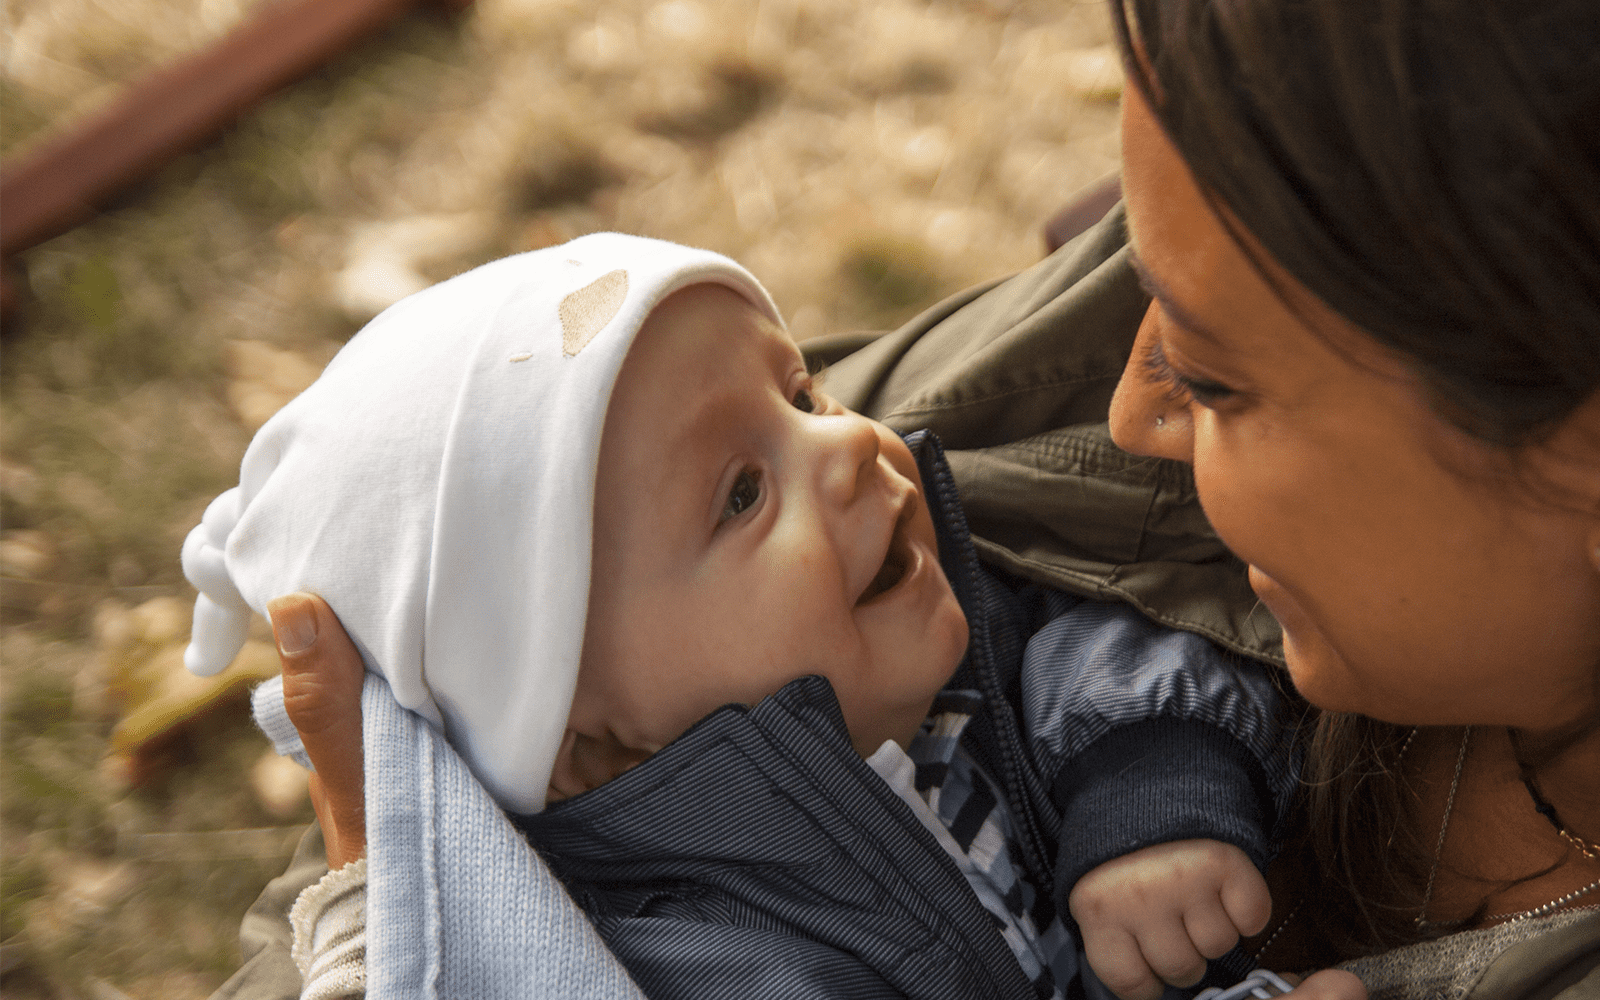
column 1157, row 914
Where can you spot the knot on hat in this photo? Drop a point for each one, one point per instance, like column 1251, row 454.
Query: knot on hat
column 441, row 499
column 221, row 616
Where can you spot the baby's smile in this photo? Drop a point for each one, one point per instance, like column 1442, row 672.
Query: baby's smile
column 901, row 560
column 749, row 532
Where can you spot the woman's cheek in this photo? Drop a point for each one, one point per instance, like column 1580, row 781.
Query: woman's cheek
column 1228, row 495
column 1247, row 511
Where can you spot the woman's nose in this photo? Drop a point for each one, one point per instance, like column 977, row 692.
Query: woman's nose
column 1145, row 417
column 847, row 449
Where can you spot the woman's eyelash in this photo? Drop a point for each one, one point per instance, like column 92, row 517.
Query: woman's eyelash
column 1181, row 387
column 1158, row 371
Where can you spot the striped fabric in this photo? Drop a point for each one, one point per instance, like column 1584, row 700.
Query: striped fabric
column 957, row 801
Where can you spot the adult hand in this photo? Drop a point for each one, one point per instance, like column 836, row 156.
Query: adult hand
column 1329, row 984
column 322, row 678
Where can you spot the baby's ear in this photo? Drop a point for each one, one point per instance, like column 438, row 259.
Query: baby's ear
column 563, row 780
column 584, row 762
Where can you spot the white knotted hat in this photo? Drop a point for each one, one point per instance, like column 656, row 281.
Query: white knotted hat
column 436, row 487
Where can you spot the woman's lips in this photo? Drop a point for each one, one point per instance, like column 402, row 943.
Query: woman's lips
column 1278, row 600
column 1265, row 587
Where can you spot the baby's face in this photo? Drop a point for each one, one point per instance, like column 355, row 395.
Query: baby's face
column 750, row 531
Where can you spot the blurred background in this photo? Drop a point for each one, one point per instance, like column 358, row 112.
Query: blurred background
column 862, row 158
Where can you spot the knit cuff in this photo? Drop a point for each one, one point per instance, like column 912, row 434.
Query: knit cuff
column 330, row 934
column 272, row 717
column 1158, row 781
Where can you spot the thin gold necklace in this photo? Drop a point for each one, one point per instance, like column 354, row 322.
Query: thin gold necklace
column 1546, row 909
column 1278, row 930
column 1423, row 923
column 1541, row 806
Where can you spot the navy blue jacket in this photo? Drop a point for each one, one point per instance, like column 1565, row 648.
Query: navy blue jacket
column 759, row 856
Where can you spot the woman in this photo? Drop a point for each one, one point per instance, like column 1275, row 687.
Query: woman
column 1375, row 263
column 1371, row 231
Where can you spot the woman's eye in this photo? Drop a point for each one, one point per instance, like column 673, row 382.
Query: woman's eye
column 1179, row 386
column 744, row 494
column 805, row 402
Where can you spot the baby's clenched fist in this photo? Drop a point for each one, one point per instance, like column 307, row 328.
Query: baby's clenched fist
column 1153, row 917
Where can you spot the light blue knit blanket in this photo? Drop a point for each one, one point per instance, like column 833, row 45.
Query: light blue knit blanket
column 458, row 904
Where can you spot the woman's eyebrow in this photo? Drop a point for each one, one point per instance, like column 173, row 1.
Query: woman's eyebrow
column 1179, row 313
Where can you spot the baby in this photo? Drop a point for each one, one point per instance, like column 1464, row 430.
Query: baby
column 586, row 510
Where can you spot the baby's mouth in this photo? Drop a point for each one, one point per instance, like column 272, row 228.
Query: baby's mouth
column 895, row 562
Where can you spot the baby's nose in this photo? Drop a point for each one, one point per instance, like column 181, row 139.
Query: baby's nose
column 848, row 450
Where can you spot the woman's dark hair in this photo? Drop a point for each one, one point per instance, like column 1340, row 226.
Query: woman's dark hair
column 1430, row 169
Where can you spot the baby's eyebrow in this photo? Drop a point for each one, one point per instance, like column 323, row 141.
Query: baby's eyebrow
column 707, row 414
column 688, row 482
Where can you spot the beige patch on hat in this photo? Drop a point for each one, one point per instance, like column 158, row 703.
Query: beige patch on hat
column 586, row 311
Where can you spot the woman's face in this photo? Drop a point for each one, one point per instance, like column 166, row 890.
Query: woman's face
column 1416, row 582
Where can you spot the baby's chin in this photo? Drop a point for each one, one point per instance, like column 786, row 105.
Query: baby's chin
column 900, row 731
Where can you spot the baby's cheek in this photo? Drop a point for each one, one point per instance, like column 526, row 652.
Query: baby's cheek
column 949, row 625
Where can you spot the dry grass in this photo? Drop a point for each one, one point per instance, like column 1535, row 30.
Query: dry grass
column 862, row 158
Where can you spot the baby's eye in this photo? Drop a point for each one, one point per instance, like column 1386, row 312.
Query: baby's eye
column 805, row 402
column 746, row 491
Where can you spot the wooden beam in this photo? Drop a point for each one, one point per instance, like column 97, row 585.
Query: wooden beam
column 64, row 181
